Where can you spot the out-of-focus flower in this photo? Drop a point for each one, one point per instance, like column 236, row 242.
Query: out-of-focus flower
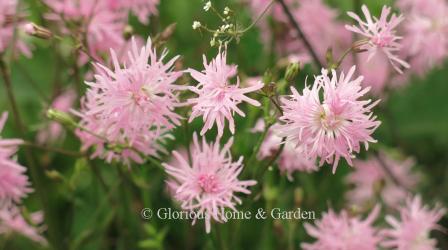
column 340, row 231
column 290, row 160
column 209, row 184
column 14, row 184
column 131, row 105
column 380, row 34
column 103, row 26
column 217, row 98
column 331, row 126
column 426, row 33
column 322, row 29
column 142, row 9
column 11, row 221
column 9, row 20
column 369, row 176
column 412, row 230
column 376, row 72
column 53, row 131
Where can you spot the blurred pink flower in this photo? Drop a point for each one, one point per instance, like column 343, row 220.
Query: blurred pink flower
column 53, row 131
column 322, row 29
column 290, row 159
column 132, row 105
column 9, row 15
column 376, row 72
column 340, row 231
column 412, row 230
column 426, row 33
column 369, row 175
column 14, row 184
column 380, row 35
column 209, row 184
column 331, row 126
column 12, row 221
column 217, row 98
column 103, row 26
column 142, row 9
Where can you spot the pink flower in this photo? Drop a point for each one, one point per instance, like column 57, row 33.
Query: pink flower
column 12, row 221
column 340, row 231
column 376, row 72
column 370, row 179
column 320, row 25
column 426, row 33
column 103, row 27
column 131, row 105
column 380, row 34
column 140, row 8
column 217, row 98
column 328, row 120
column 290, row 159
column 14, row 184
column 8, row 15
column 208, row 185
column 53, row 131
column 412, row 230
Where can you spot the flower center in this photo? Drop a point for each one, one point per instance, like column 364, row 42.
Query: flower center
column 142, row 96
column 208, row 183
column 383, row 39
column 328, row 120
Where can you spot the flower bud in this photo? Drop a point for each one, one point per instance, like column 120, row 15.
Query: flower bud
column 33, row 29
column 128, row 32
column 292, row 71
column 61, row 117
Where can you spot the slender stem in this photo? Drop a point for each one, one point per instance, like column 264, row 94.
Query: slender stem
column 258, row 146
column 258, row 17
column 302, row 36
column 388, row 171
column 37, row 176
column 273, row 158
column 33, row 84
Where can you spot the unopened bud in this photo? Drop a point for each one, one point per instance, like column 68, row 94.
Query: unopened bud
column 35, row 30
column 61, row 117
column 292, row 71
column 168, row 32
column 54, row 175
column 267, row 76
column 128, row 32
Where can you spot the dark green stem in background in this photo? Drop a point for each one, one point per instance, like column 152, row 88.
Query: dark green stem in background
column 38, row 179
column 302, row 36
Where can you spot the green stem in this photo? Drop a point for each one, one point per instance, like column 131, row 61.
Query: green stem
column 37, row 175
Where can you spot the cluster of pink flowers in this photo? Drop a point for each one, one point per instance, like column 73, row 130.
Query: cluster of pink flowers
column 411, row 231
column 208, row 184
column 329, row 120
column 341, row 231
column 9, row 20
column 129, row 108
column 14, row 186
column 217, row 98
column 290, row 159
column 103, row 21
column 370, row 179
column 53, row 131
